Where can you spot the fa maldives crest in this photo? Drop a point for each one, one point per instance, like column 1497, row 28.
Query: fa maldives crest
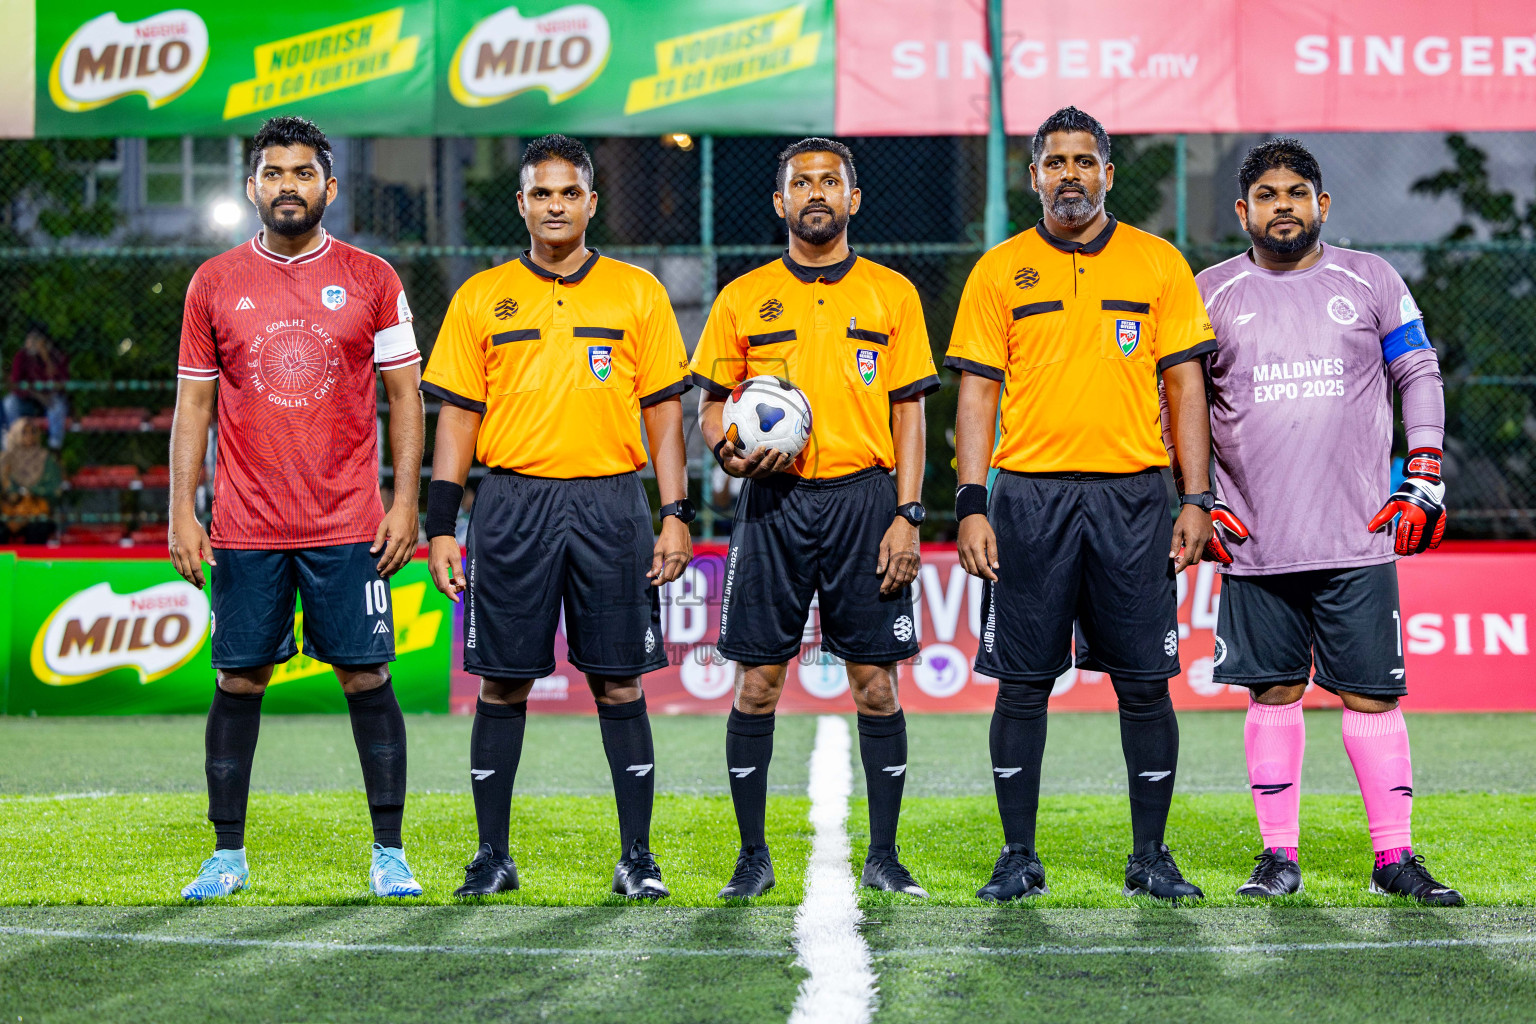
column 868, row 360
column 1127, row 335
column 600, row 361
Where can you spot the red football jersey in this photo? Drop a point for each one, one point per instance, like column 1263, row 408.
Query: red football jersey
column 293, row 344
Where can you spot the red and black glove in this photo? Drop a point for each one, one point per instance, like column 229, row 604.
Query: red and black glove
column 1418, row 505
column 1223, row 517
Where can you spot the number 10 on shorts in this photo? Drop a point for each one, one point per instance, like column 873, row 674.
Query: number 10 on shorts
column 376, row 597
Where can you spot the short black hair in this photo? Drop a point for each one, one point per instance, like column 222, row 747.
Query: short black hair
column 556, row 147
column 291, row 131
column 815, row 145
column 1284, row 152
column 1069, row 119
column 38, row 327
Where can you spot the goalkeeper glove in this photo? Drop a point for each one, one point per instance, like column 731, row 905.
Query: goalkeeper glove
column 1222, row 516
column 1418, row 505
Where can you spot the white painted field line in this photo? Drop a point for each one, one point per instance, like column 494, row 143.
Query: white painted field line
column 841, row 984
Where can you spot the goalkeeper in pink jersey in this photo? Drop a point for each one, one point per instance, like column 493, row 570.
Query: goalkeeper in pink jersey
column 1310, row 341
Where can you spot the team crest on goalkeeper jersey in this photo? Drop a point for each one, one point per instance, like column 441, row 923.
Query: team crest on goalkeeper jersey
column 1127, row 335
column 600, row 360
column 868, row 360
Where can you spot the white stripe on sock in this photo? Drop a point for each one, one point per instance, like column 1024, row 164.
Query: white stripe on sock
column 841, row 984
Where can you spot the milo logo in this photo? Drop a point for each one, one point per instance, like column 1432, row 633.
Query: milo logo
column 561, row 52
column 95, row 631
column 158, row 57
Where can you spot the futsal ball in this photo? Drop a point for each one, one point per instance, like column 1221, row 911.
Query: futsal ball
column 768, row 412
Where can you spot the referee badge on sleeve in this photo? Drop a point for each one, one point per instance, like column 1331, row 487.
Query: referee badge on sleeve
column 868, row 360
column 1128, row 335
column 600, row 360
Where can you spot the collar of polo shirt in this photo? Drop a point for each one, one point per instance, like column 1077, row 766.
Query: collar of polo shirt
column 810, row 275
column 1088, row 248
column 527, row 260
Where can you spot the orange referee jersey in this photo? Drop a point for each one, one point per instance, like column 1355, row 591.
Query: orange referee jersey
column 1079, row 335
column 559, row 366
column 851, row 336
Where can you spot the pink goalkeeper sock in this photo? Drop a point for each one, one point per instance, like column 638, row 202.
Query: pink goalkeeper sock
column 1378, row 748
column 1275, row 738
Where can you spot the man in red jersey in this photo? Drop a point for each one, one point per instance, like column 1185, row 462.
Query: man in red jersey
column 287, row 330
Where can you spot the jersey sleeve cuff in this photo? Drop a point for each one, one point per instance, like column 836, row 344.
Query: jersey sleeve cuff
column 196, row 373
column 970, row 366
column 399, row 361
column 918, row 388
column 705, row 384
column 451, row 397
column 670, row 391
column 1204, row 348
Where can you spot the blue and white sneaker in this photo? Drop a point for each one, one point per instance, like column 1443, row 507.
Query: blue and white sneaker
column 222, row 874
column 390, row 875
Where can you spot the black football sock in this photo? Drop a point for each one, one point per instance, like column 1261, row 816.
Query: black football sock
column 495, row 748
column 1149, row 736
column 229, row 745
column 883, row 750
column 748, row 749
column 378, row 729
column 1018, row 747
column 631, row 761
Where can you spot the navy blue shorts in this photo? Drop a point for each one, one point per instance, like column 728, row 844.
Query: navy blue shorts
column 348, row 616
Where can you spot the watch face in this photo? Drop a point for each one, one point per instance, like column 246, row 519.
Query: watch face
column 914, row 514
column 686, row 511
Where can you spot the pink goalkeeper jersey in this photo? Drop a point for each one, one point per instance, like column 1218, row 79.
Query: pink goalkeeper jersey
column 1301, row 418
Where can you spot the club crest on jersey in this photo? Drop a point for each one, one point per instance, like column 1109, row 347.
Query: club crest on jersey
column 1342, row 310
column 600, row 360
column 868, row 360
column 1127, row 335
column 333, row 296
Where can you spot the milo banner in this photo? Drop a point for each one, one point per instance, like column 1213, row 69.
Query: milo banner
column 1465, row 629
column 611, row 68
column 138, row 68
column 129, row 636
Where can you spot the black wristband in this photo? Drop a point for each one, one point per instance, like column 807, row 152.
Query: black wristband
column 722, row 443
column 443, row 500
column 970, row 500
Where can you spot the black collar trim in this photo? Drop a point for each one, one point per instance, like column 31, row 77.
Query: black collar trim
column 810, row 275
column 1088, row 248
column 526, row 259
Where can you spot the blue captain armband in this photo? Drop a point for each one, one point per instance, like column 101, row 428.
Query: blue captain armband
column 1405, row 339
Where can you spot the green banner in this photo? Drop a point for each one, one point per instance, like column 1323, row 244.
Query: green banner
column 138, row 68
column 629, row 67
column 130, row 637
column 437, row 67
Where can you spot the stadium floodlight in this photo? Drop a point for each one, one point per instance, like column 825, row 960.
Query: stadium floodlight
column 226, row 213
column 678, row 140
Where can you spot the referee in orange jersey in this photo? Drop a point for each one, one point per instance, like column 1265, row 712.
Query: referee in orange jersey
column 1075, row 321
column 546, row 366
column 833, row 522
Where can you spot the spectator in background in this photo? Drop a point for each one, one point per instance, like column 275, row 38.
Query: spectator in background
column 38, row 375
column 29, row 485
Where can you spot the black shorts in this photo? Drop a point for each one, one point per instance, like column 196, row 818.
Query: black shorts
column 794, row 538
column 1090, row 548
column 537, row 544
column 348, row 616
column 1273, row 629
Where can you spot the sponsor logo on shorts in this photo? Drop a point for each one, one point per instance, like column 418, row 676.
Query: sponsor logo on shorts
column 469, row 629
column 989, row 631
column 333, row 296
column 1342, row 311
column 1221, row 651
column 1171, row 643
column 650, row 640
column 903, row 628
column 725, row 592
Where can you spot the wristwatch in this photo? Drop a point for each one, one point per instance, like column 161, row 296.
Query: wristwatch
column 1205, row 500
column 683, row 509
column 913, row 512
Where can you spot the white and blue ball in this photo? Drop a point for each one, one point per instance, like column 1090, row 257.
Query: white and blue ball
column 768, row 412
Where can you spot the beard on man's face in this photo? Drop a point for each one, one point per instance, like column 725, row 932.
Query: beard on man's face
column 1076, row 208
column 1300, row 242
column 292, row 220
column 821, row 232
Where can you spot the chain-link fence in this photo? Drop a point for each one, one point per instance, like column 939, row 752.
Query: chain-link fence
column 99, row 238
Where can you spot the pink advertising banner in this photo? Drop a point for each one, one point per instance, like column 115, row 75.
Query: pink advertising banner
column 919, row 67
column 1465, row 630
